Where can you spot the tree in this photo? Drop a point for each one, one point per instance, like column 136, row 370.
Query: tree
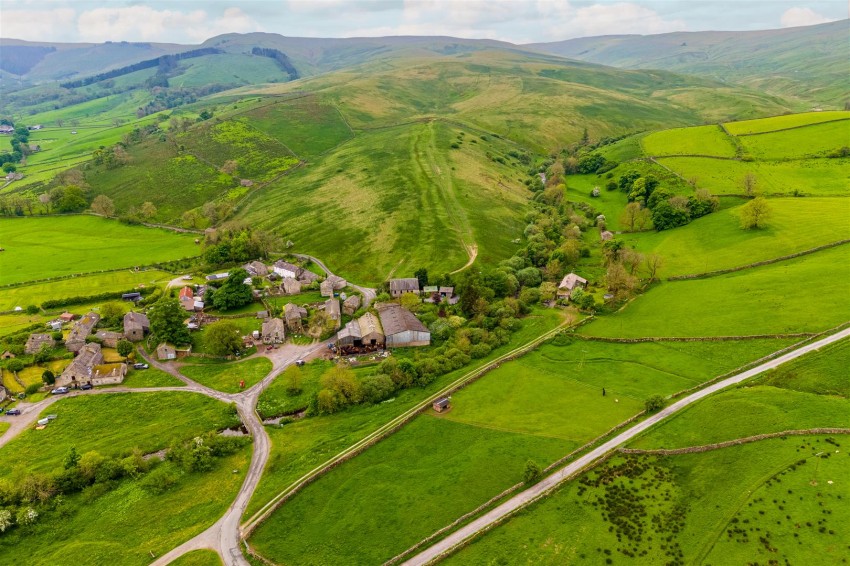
column 124, row 347
column 630, row 215
column 44, row 354
column 653, row 263
column 9, row 167
column 755, row 213
column 148, row 210
column 292, row 378
column 72, row 200
column 32, row 309
column 532, row 472
column 222, row 338
column 48, row 378
column 666, row 216
column 103, row 205
column 233, row 293
column 618, row 280
column 72, row 459
column 111, row 313
column 422, row 275
column 166, row 319
column 749, row 183
column 44, row 199
column 654, row 404
column 5, row 520
column 547, row 291
column 15, row 365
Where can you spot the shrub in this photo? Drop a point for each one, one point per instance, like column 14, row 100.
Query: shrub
column 654, row 404
column 161, row 479
column 532, row 472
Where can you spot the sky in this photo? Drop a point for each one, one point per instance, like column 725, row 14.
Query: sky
column 516, row 21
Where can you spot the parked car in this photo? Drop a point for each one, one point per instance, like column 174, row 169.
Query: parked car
column 60, row 391
column 86, row 386
column 13, row 412
column 140, row 366
column 299, row 362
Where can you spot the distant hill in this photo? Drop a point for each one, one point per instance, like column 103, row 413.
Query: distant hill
column 811, row 63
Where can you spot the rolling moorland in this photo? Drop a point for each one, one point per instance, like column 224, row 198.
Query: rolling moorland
column 709, row 218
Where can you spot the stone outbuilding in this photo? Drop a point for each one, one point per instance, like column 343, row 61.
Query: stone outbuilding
column 81, row 330
column 331, row 284
column 290, row 286
column 293, row 314
column 398, row 287
column 109, row 339
column 333, row 311
column 36, row 341
column 166, row 351
column 351, row 305
column 136, row 325
column 273, row 331
column 402, row 328
column 88, row 368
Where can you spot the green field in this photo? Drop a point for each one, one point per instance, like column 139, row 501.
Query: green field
column 810, row 141
column 717, row 241
column 823, row 372
column 700, row 140
column 199, row 558
column 407, row 200
column 148, row 421
column 115, row 281
column 305, row 125
column 80, row 244
column 680, row 507
column 226, row 377
column 150, row 377
column 548, row 401
column 811, row 177
column 275, row 401
column 791, row 296
column 783, row 122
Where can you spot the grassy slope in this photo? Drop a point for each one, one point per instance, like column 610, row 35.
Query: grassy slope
column 397, row 199
column 149, row 421
column 782, row 122
column 80, row 286
column 717, row 241
column 80, row 244
column 811, row 141
column 701, row 140
column 799, row 295
column 541, row 406
column 199, row 558
column 226, row 377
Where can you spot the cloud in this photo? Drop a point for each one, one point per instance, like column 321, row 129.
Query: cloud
column 793, row 17
column 39, row 25
column 143, row 23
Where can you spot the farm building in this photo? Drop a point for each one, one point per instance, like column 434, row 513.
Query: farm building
column 55, row 325
column 351, row 305
column 398, row 287
column 132, row 297
column 7, row 355
column 441, row 404
column 166, row 351
column 187, row 298
column 36, row 341
column 217, row 276
column 273, row 331
column 6, row 129
column 88, row 367
column 402, row 328
column 331, row 284
column 333, row 311
column 256, row 269
column 568, row 283
column 349, row 335
column 285, row 269
column 136, row 325
column 109, row 339
column 293, row 315
column 290, row 286
column 77, row 338
column 67, row 317
column 365, row 331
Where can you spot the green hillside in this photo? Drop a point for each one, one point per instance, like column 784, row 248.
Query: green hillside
column 810, row 63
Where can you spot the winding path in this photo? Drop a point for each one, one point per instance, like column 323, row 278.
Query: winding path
column 538, row 490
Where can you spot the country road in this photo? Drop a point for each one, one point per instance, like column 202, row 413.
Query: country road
column 487, row 520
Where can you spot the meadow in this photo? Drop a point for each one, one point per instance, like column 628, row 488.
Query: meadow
column 407, row 201
column 808, row 177
column 809, row 141
column 699, row 140
column 540, row 407
column 717, row 241
column 199, row 558
column 38, row 248
column 775, row 123
column 114, row 281
column 226, row 377
column 150, row 377
column 148, row 421
column 797, row 295
column 679, row 508
column 275, row 400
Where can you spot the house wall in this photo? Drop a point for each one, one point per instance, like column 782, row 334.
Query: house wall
column 377, row 337
column 284, row 272
column 134, row 334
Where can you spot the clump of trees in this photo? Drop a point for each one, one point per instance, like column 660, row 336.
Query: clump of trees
column 166, row 318
column 223, row 338
column 237, row 243
column 233, row 293
column 647, row 199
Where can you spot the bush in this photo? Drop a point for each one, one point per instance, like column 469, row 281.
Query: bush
column 32, row 389
column 532, row 472
column 161, row 479
column 654, row 404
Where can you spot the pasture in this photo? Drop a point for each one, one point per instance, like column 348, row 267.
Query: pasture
column 114, row 281
column 717, row 241
column 699, row 140
column 38, row 248
column 808, row 177
column 150, row 377
column 823, row 372
column 763, row 300
column 226, row 376
column 275, row 400
column 652, row 509
column 810, row 141
column 408, row 201
column 199, row 558
column 149, row 421
column 546, row 401
column 784, row 122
